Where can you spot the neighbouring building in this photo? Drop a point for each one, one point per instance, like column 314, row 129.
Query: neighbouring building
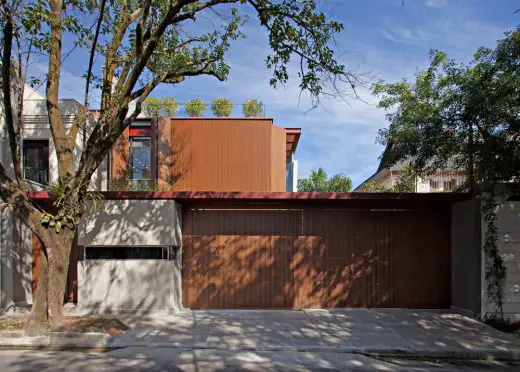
column 441, row 181
column 39, row 160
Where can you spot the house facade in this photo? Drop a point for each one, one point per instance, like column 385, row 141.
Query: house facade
column 169, row 154
column 214, row 229
column 274, row 250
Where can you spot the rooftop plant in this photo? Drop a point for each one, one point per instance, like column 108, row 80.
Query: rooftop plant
column 221, row 107
column 195, row 107
column 253, row 108
column 154, row 107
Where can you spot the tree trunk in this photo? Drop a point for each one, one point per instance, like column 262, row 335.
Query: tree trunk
column 38, row 322
column 47, row 309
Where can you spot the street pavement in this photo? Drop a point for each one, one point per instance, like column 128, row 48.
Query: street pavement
column 189, row 360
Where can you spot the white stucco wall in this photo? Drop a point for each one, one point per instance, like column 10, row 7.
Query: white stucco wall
column 16, row 262
column 508, row 226
column 133, row 222
column 134, row 285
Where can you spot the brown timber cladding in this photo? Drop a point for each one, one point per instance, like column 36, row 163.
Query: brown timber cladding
column 222, row 155
column 310, row 258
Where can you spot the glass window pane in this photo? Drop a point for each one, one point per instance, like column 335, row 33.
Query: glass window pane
column 31, row 157
column 140, row 158
column 36, row 160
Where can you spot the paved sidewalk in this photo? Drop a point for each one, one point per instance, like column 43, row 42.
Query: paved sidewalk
column 388, row 332
column 385, row 332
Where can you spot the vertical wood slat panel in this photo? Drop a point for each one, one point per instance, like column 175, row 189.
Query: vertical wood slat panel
column 227, row 155
column 337, row 258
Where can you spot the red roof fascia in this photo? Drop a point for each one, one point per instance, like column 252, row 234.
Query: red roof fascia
column 265, row 196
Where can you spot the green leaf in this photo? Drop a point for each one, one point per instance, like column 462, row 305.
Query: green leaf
column 46, row 218
column 57, row 228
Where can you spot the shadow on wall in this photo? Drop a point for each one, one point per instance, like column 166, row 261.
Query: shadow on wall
column 135, row 286
column 278, row 272
column 16, row 263
column 139, row 285
column 132, row 222
column 315, row 259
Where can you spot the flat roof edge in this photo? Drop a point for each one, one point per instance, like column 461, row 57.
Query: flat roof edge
column 267, row 196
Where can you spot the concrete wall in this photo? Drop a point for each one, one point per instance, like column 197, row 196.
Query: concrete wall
column 508, row 226
column 16, row 262
column 291, row 175
column 134, row 285
column 466, row 256
column 133, row 222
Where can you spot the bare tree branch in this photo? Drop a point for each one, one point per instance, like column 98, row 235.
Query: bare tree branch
column 199, row 8
column 59, row 135
column 91, row 64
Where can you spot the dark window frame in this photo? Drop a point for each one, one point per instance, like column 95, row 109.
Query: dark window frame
column 131, row 158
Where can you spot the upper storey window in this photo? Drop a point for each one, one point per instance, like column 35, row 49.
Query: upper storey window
column 36, row 160
column 140, row 158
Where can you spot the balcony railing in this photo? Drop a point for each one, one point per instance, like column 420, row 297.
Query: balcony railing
column 236, row 112
column 39, row 175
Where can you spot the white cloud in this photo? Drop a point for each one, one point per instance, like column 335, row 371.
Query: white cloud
column 436, row 3
column 71, row 85
column 405, row 35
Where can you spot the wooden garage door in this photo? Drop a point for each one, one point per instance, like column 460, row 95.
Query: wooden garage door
column 293, row 259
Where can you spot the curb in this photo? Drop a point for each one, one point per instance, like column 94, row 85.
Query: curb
column 498, row 355
column 55, row 340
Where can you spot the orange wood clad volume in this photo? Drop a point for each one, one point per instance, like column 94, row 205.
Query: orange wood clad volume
column 225, row 155
column 305, row 258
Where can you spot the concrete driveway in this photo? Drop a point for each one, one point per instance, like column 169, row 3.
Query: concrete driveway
column 384, row 331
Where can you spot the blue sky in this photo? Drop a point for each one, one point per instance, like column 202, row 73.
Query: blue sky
column 384, row 38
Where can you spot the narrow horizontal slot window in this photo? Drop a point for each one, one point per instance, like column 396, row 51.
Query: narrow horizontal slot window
column 126, row 253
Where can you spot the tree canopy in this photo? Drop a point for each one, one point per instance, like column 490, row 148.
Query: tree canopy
column 458, row 116
column 318, row 181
